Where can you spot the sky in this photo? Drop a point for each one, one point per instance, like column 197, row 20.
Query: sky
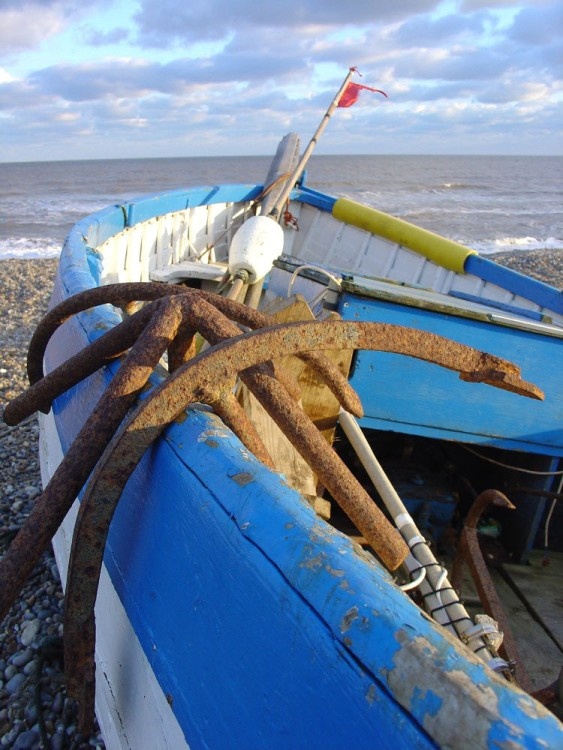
column 83, row 79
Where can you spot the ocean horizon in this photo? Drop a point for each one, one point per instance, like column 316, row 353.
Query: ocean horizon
column 489, row 203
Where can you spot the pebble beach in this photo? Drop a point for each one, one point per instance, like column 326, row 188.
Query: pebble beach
column 34, row 709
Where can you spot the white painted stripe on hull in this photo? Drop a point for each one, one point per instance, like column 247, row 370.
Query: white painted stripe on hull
column 131, row 708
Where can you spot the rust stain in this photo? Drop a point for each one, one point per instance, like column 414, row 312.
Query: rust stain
column 242, row 479
column 334, row 571
column 348, row 619
column 314, row 563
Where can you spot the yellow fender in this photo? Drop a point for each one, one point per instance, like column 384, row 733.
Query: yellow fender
column 444, row 252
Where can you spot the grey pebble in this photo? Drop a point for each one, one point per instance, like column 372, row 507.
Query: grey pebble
column 58, row 703
column 30, row 667
column 26, row 741
column 58, row 741
column 21, row 659
column 10, row 736
column 30, row 713
column 15, row 684
column 30, row 631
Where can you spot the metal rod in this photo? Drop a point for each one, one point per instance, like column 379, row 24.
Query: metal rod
column 274, row 213
column 439, row 596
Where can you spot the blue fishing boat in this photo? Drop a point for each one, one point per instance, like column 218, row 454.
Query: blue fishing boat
column 269, row 548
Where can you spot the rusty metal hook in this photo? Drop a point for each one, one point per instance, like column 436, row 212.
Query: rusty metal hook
column 469, row 551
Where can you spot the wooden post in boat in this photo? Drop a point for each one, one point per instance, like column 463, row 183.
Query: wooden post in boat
column 317, row 401
column 281, row 169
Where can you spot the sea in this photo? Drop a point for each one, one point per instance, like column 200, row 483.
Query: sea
column 490, row 203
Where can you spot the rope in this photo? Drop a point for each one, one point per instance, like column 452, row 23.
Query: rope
column 508, row 466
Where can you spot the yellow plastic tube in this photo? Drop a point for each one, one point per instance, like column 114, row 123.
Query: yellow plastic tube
column 444, row 252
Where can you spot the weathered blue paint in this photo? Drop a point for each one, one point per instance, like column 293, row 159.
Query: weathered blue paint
column 513, row 309
column 98, row 227
column 405, row 395
column 196, row 553
column 176, row 200
column 314, row 198
column 264, row 626
column 517, row 283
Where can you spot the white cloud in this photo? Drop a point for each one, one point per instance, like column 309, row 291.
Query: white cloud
column 21, row 30
column 5, row 77
column 446, row 72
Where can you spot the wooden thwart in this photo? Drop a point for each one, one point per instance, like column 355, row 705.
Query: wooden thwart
column 317, row 402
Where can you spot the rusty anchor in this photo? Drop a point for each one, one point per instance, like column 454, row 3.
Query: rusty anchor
column 469, row 552
column 169, row 322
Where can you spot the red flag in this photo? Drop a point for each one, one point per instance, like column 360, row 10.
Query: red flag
column 352, row 92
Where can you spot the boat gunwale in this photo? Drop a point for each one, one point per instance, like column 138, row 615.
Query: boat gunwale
column 131, row 213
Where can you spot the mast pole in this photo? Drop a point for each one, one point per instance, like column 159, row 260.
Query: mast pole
column 274, row 213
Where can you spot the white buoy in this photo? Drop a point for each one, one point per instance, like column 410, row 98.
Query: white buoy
column 255, row 246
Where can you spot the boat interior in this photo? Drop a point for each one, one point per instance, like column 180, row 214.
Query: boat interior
column 520, row 547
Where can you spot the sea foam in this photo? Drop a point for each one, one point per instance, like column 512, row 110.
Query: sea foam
column 29, row 247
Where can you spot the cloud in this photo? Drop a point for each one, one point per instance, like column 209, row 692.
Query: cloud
column 232, row 75
column 216, row 19
column 456, row 65
column 93, row 81
column 538, row 26
column 22, row 28
column 96, row 38
column 467, row 6
column 26, row 23
column 134, row 78
column 426, row 31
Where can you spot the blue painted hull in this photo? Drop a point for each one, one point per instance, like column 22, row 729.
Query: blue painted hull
column 418, row 398
column 265, row 627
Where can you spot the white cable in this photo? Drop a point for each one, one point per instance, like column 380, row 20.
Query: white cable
column 439, row 584
column 311, row 268
column 550, row 513
column 450, row 613
column 509, row 466
column 415, row 582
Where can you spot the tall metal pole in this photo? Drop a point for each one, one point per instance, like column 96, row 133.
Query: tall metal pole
column 274, row 213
